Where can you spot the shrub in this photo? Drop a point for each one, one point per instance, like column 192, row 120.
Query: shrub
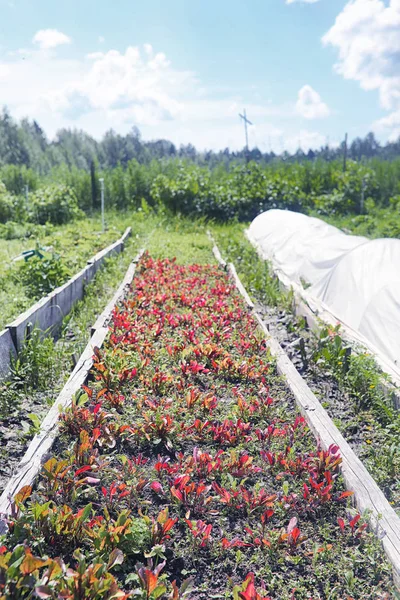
column 57, row 204
column 36, row 365
column 11, row 207
column 41, row 276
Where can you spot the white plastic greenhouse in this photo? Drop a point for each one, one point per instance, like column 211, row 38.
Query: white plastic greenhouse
column 355, row 279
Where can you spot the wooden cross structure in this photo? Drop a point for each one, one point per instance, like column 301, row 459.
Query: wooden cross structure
column 246, row 122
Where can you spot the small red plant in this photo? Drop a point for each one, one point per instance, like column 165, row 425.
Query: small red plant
column 247, row 590
column 200, row 531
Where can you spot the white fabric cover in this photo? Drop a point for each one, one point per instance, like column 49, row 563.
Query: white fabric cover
column 303, row 248
column 358, row 280
column 363, row 290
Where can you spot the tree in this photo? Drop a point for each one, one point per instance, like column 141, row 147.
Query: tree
column 12, row 147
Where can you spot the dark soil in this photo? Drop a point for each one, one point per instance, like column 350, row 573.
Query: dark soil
column 360, row 428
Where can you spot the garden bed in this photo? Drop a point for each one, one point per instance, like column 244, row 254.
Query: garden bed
column 185, row 464
column 23, row 283
column 350, row 389
column 44, row 365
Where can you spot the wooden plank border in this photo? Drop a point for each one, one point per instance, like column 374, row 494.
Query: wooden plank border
column 368, row 497
column 103, row 319
column 37, row 452
column 7, row 352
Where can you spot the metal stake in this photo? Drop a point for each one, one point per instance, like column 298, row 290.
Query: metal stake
column 102, row 205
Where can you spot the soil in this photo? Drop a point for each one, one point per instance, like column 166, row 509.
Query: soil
column 356, row 426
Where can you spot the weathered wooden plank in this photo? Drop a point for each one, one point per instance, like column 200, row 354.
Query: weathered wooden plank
column 7, row 352
column 216, row 252
column 39, row 447
column 240, row 286
column 105, row 316
column 126, row 235
column 115, row 248
column 368, row 497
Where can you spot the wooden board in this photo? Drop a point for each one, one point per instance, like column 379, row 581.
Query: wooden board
column 368, row 497
column 102, row 320
column 38, row 449
column 7, row 353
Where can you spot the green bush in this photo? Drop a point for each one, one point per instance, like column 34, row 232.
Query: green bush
column 241, row 194
column 12, row 231
column 11, row 207
column 36, row 363
column 56, row 204
column 6, row 204
column 42, row 276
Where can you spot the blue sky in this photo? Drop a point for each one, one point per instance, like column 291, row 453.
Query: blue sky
column 306, row 71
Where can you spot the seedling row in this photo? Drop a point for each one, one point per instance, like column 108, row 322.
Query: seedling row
column 183, row 468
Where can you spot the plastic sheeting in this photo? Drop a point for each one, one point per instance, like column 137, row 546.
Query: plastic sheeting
column 356, row 279
column 303, row 248
column 363, row 290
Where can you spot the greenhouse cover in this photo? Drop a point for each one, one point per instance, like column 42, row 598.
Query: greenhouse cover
column 356, row 279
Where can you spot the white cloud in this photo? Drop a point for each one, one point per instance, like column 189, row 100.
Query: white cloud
column 4, row 71
column 50, row 38
column 366, row 34
column 101, row 39
column 309, row 104
column 389, row 125
column 306, row 140
column 139, row 86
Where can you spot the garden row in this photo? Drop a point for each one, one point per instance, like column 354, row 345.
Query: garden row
column 44, row 364
column 48, row 314
column 183, row 468
column 345, row 378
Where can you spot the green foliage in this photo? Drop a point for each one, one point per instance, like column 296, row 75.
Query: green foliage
column 57, row 204
column 11, row 207
column 242, row 193
column 42, row 275
column 356, row 372
column 36, row 365
column 256, row 274
column 16, row 178
column 6, row 204
column 12, row 230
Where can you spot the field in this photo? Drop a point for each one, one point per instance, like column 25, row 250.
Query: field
column 22, row 283
column 183, row 468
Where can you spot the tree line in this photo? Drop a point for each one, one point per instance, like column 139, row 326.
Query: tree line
column 25, row 143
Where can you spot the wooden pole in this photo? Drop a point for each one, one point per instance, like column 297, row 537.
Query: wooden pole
column 345, row 153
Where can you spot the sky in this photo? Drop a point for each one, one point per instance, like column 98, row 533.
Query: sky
column 306, row 71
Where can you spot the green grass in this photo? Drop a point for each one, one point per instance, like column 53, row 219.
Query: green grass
column 255, row 274
column 75, row 243
column 182, row 238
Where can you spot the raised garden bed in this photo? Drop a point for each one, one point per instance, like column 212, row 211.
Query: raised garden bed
column 348, row 384
column 75, row 243
column 185, row 465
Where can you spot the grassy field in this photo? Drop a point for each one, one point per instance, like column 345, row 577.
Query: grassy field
column 74, row 243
